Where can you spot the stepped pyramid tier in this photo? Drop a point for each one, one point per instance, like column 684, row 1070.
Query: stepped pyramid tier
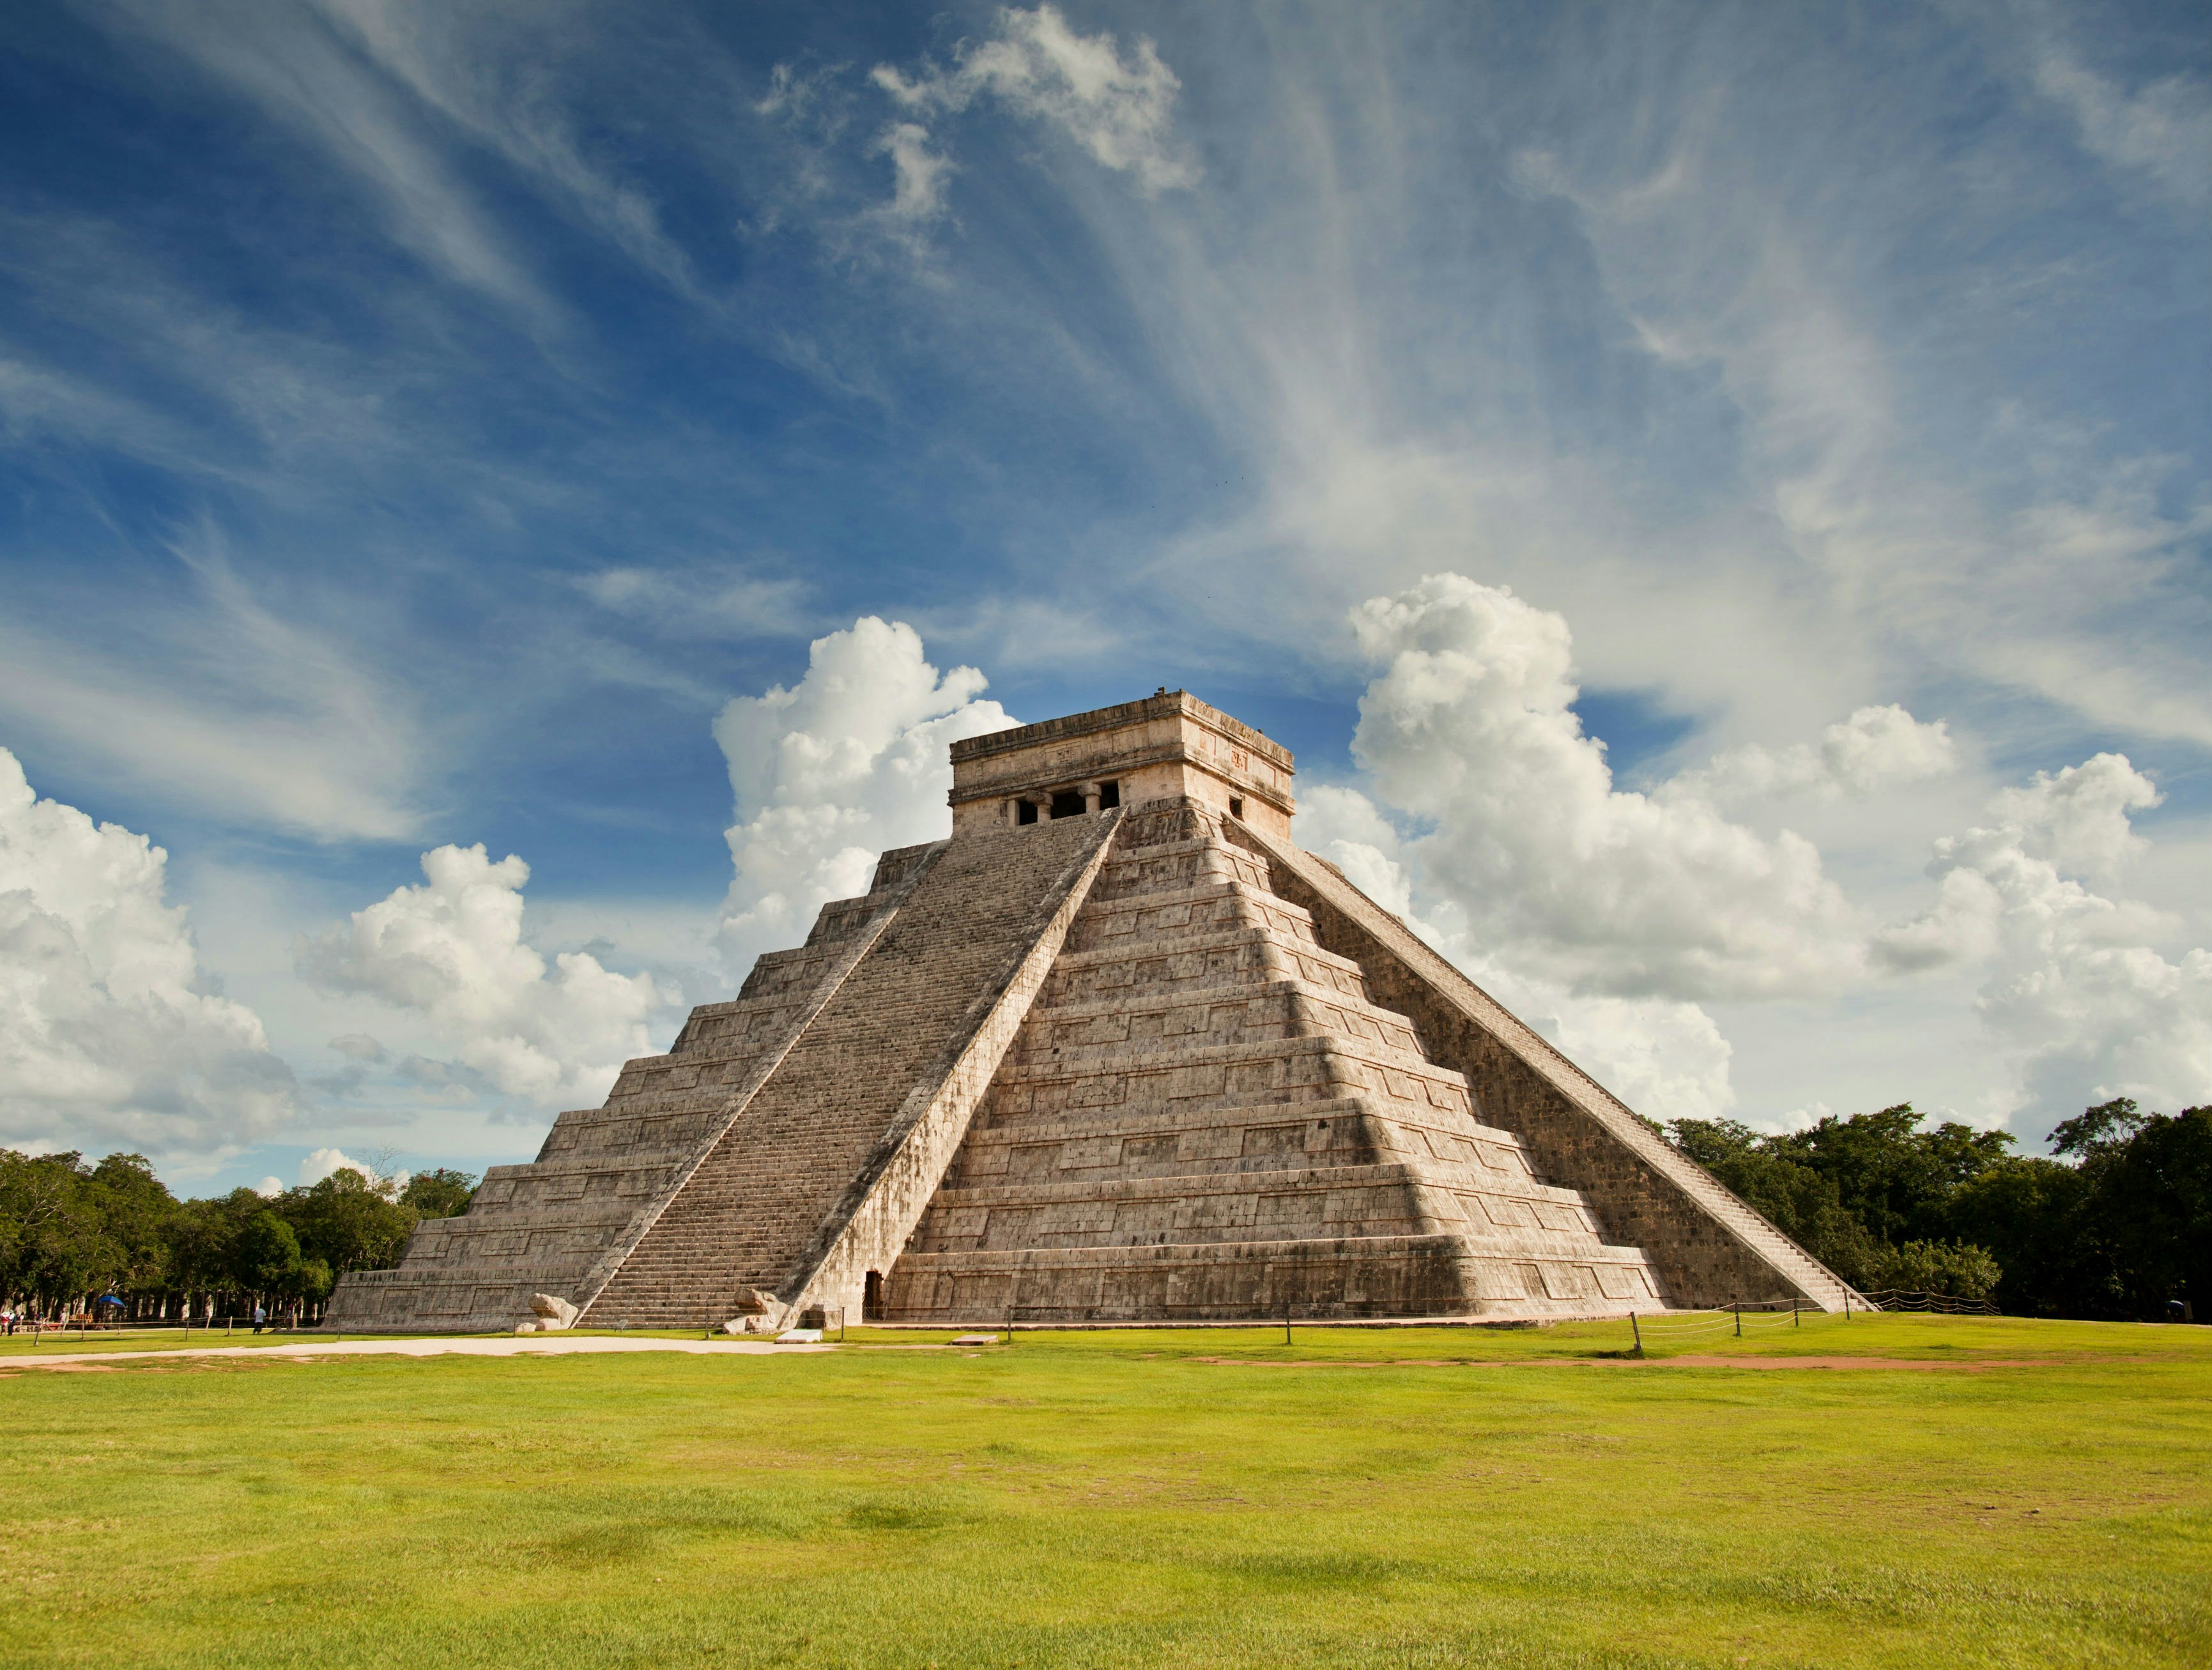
column 1117, row 1051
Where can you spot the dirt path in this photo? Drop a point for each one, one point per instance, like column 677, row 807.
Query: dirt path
column 1635, row 1363
column 526, row 1344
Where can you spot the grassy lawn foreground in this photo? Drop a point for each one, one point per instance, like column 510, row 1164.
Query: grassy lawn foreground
column 1115, row 1498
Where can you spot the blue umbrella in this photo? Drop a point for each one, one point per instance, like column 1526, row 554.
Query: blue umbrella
column 109, row 1299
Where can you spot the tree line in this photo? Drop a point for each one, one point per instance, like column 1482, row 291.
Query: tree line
column 2118, row 1226
column 74, row 1236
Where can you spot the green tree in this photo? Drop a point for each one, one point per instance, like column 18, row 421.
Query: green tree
column 1964, row 1272
column 1799, row 1202
column 134, row 1208
column 2032, row 1215
column 2149, row 1207
column 1896, row 1179
column 1868, row 1196
column 439, row 1193
column 349, row 1222
column 267, row 1254
column 52, row 1230
column 203, row 1241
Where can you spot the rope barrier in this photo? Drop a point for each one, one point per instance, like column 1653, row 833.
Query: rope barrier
column 1764, row 1317
column 1941, row 1304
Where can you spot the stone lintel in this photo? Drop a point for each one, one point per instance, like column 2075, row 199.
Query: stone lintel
column 1166, row 747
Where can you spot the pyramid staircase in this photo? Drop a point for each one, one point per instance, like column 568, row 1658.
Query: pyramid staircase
column 1205, row 1116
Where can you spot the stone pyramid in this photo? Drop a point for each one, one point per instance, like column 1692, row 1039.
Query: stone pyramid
column 1117, row 1051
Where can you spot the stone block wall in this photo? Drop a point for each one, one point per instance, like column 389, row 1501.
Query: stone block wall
column 1207, row 1116
column 1707, row 1247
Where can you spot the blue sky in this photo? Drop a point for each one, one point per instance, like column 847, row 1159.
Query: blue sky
column 418, row 424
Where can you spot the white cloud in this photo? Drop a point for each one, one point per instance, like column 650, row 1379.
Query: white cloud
column 920, row 175
column 827, row 775
column 1119, row 110
column 325, row 1161
column 2069, row 578
column 1665, row 1058
column 698, row 603
column 303, row 76
column 110, row 1036
column 1470, row 727
column 227, row 705
column 269, row 1188
column 431, row 53
column 453, row 951
column 2164, row 128
column 1605, row 918
column 1875, row 748
column 2078, row 819
column 2075, row 987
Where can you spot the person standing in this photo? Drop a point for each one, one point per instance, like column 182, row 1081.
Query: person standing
column 260, row 1315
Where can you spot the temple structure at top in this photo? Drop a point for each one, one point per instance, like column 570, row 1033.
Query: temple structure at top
column 1117, row 1050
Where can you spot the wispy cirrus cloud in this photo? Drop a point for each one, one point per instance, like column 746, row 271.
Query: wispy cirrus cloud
column 302, row 74
column 222, row 704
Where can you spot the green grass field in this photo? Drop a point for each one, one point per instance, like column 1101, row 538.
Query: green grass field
column 1362, row 1496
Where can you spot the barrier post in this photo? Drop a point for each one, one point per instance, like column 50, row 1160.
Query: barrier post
column 1794, row 1322
column 1738, row 1319
column 1637, row 1331
column 1286, row 1321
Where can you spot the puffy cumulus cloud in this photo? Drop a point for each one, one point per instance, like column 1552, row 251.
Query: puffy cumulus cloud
column 452, row 950
column 1344, row 826
column 110, row 1036
column 1875, row 748
column 2078, row 819
column 1470, row 729
column 827, row 775
column 1118, row 110
column 328, row 1161
column 2075, row 984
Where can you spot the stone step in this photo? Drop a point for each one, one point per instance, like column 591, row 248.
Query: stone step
column 1222, row 1075
column 1326, row 1201
column 1226, row 1281
column 1260, row 1012
column 1214, row 904
column 1200, row 943
column 1252, row 1136
column 1044, row 1013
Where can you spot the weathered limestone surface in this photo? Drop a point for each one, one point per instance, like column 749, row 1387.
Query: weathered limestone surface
column 1205, row 1117
column 1708, row 1247
column 564, row 1223
column 771, row 1191
column 1118, row 1050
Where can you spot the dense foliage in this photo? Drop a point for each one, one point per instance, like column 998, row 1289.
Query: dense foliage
column 72, row 1233
column 2117, row 1227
